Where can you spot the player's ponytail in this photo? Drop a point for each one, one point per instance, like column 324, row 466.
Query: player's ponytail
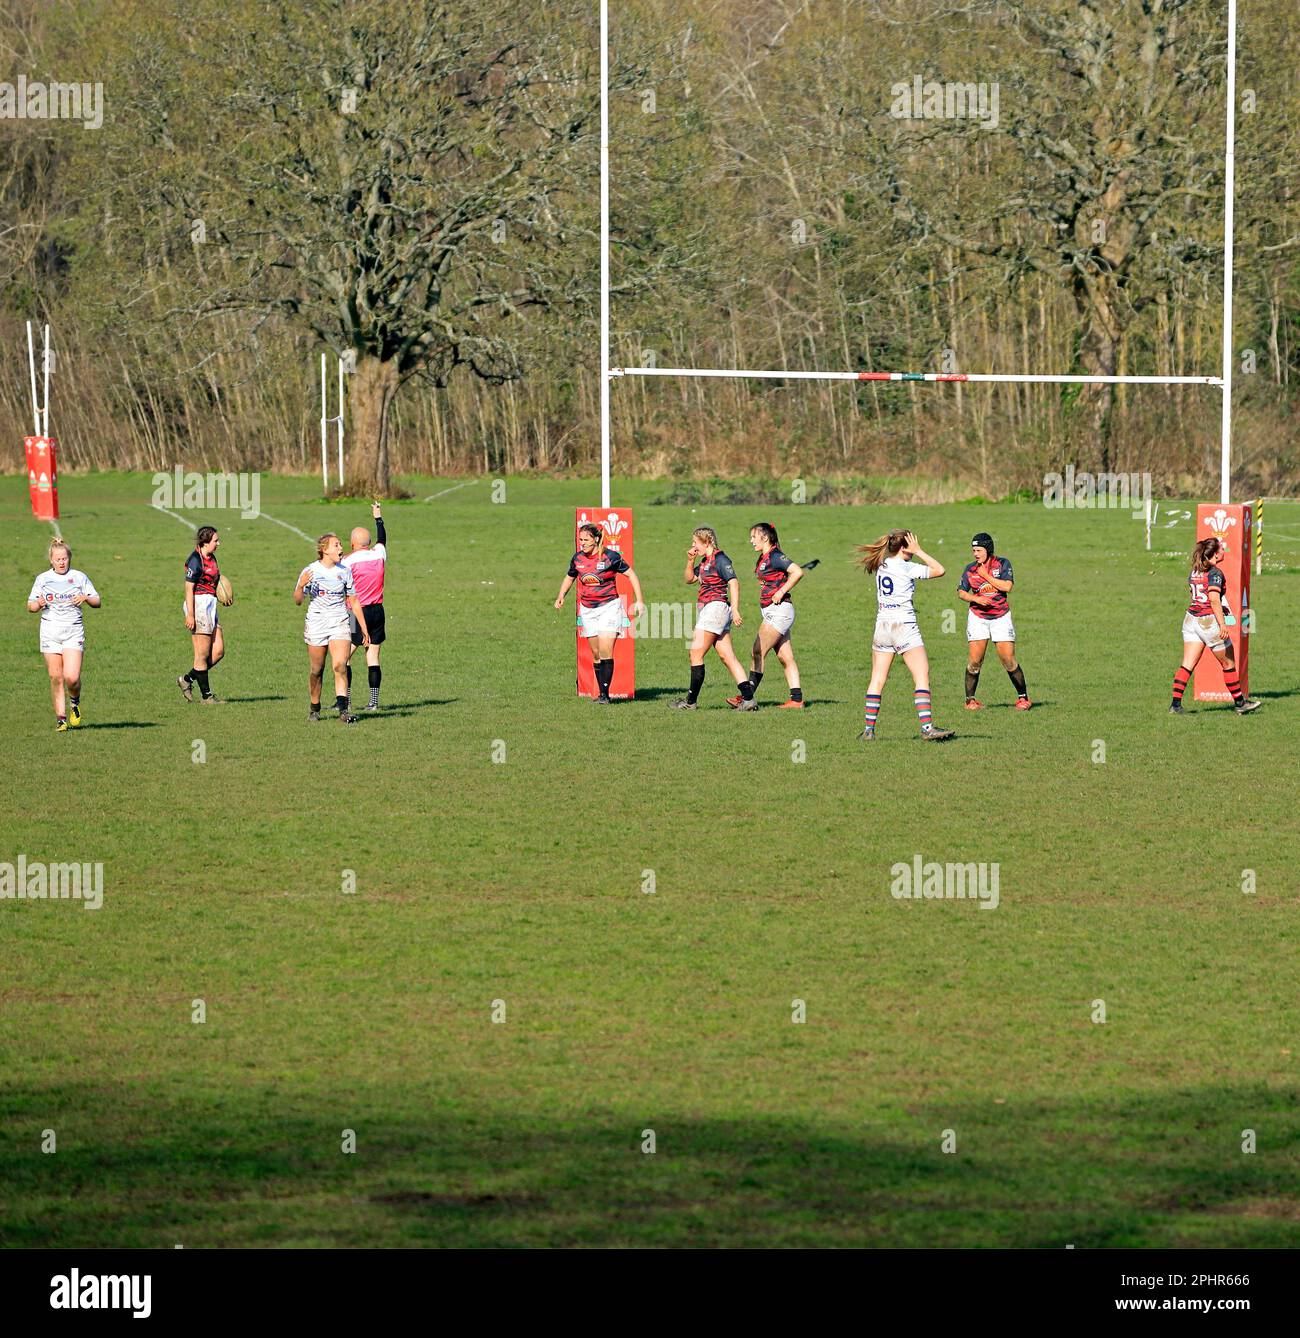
column 873, row 554
column 55, row 545
column 1203, row 554
column 767, row 531
column 707, row 535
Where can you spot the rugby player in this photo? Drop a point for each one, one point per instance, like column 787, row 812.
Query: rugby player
column 777, row 576
column 200, row 609
column 58, row 595
column 985, row 584
column 328, row 587
column 719, row 607
column 1204, row 625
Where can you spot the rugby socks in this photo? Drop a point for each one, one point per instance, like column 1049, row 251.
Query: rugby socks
column 349, row 678
column 604, row 675
column 1017, row 677
column 796, row 694
column 873, row 709
column 697, row 682
column 1231, row 682
column 972, row 682
column 200, row 676
column 921, row 700
column 1180, row 684
column 746, row 687
column 74, row 702
column 375, row 675
column 341, row 704
column 755, row 678
column 189, row 675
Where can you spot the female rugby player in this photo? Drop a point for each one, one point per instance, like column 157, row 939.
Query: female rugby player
column 327, row 584
column 777, row 576
column 719, row 607
column 1204, row 625
column 985, row 585
column 600, row 610
column 57, row 595
column 897, row 631
column 200, row 609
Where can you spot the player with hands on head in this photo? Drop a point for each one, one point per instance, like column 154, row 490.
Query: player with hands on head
column 600, row 608
column 890, row 560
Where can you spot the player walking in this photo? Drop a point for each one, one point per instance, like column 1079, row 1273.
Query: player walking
column 1204, row 625
column 985, row 585
column 367, row 566
column 327, row 584
column 57, row 595
column 600, row 610
column 200, row 609
column 719, row 607
column 897, row 631
column 777, row 576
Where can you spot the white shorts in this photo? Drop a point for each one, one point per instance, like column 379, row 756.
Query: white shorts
column 990, row 629
column 55, row 643
column 1204, row 629
column 780, row 616
column 316, row 632
column 895, row 634
column 714, row 617
column 205, row 614
column 601, row 619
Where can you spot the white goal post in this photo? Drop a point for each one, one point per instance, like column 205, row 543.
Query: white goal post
column 1224, row 381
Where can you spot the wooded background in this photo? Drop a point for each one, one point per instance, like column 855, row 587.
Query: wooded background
column 768, row 211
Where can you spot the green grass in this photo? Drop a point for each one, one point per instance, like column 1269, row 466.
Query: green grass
column 628, row 1011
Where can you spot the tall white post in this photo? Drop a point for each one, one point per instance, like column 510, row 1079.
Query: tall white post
column 324, row 458
column 45, row 402
column 1230, row 176
column 340, row 422
column 604, row 252
column 31, row 364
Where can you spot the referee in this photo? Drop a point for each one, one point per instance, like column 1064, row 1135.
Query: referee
column 367, row 565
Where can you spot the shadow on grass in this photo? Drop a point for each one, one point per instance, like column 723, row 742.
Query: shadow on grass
column 265, row 1167
column 280, row 698
column 119, row 724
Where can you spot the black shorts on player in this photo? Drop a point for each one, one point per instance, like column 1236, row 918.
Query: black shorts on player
column 374, row 624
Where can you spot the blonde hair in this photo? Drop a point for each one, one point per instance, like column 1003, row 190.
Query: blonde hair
column 58, row 543
column 873, row 554
column 322, row 541
column 708, row 534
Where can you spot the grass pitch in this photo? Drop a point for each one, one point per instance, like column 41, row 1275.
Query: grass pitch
column 626, row 1011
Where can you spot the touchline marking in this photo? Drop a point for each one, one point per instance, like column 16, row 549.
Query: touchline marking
column 445, row 491
column 58, row 533
column 263, row 516
column 172, row 514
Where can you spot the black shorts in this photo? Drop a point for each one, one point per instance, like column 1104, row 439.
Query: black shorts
column 374, row 624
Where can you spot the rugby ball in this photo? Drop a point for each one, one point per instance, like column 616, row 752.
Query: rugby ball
column 225, row 595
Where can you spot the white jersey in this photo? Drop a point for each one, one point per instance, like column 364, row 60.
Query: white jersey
column 60, row 619
column 328, row 589
column 896, row 579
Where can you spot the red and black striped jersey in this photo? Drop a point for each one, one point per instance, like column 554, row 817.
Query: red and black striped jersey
column 202, row 573
column 714, row 575
column 1000, row 569
column 770, row 569
column 595, row 573
column 1200, row 584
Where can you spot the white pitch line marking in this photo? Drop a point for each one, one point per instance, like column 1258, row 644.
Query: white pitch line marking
column 453, row 488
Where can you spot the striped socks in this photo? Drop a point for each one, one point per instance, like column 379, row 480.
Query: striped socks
column 921, row 700
column 1181, row 679
column 873, row 709
column 1233, row 685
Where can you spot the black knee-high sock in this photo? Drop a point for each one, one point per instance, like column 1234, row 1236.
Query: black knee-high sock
column 972, row 682
column 746, row 687
column 1017, row 677
column 201, row 678
column 697, row 682
column 341, row 703
column 755, row 678
column 605, row 675
column 349, row 678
